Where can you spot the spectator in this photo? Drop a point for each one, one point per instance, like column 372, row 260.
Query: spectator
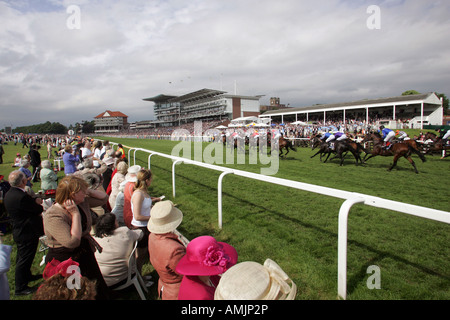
column 17, row 160
column 118, row 206
column 97, row 152
column 68, row 224
column 118, row 178
column 24, row 165
column 204, row 261
column 5, row 263
column 117, row 243
column 57, row 275
column 131, row 179
column 141, row 205
column 107, row 175
column 86, row 151
column 49, row 149
column 251, row 281
column 70, row 160
column 105, row 148
column 122, row 151
column 25, row 213
column 2, row 152
column 49, row 179
column 165, row 249
column 35, row 162
column 93, row 176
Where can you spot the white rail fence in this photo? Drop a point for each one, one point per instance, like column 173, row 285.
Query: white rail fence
column 350, row 199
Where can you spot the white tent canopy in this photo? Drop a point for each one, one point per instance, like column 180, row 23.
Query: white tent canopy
column 301, row 123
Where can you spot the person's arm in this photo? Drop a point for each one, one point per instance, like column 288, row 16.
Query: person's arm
column 72, row 209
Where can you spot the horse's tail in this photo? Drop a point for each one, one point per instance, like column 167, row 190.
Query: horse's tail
column 416, row 151
column 359, row 147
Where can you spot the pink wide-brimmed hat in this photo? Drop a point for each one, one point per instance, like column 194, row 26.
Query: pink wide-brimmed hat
column 205, row 256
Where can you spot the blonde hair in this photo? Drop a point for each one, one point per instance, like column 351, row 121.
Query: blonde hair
column 68, row 186
column 142, row 176
column 122, row 167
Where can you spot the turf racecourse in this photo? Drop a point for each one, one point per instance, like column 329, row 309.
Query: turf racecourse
column 298, row 229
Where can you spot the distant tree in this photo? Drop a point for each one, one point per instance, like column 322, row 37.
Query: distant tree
column 410, row 92
column 43, row 128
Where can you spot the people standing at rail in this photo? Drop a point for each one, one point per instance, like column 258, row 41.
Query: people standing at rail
column 388, row 135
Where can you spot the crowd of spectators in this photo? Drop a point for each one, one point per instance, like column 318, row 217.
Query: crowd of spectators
column 98, row 212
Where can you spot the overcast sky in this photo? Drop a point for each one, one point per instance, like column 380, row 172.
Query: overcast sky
column 68, row 61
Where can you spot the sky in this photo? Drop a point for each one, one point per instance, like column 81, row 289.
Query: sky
column 68, row 61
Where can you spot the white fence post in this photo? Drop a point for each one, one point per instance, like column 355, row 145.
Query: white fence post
column 219, row 197
column 173, row 175
column 342, row 245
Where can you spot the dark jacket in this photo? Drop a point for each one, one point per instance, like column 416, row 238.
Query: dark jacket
column 25, row 214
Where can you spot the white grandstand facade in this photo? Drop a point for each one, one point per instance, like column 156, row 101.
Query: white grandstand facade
column 204, row 104
column 413, row 110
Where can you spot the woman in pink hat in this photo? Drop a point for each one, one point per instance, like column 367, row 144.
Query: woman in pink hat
column 204, row 261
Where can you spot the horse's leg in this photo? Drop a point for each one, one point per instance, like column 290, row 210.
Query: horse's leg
column 315, row 154
column 408, row 157
column 395, row 162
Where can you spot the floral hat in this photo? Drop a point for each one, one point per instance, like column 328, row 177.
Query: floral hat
column 206, row 257
column 55, row 267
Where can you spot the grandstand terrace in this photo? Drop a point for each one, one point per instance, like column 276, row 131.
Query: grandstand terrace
column 413, row 111
column 204, row 105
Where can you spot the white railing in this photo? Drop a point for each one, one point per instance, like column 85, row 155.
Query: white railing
column 351, row 198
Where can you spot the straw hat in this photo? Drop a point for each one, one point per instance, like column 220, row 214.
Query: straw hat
column 108, row 161
column 164, row 217
column 251, row 281
column 206, row 257
column 92, row 179
column 134, row 169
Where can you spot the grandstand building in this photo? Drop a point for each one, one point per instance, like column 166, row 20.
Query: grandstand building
column 110, row 121
column 413, row 111
column 205, row 105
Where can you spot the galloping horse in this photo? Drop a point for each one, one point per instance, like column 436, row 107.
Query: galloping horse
column 284, row 144
column 437, row 144
column 345, row 146
column 323, row 150
column 399, row 149
column 341, row 148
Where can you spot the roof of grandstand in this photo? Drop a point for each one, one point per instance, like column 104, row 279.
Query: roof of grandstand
column 408, row 99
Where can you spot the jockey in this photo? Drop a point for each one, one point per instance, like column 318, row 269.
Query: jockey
column 402, row 135
column 443, row 134
column 387, row 135
column 325, row 136
column 338, row 136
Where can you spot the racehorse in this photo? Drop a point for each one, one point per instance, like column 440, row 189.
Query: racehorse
column 341, row 148
column 282, row 144
column 285, row 144
column 437, row 144
column 345, row 146
column 399, row 149
column 324, row 148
